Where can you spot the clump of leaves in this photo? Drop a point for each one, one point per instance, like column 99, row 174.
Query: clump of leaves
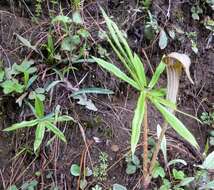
column 207, row 118
column 11, row 84
column 196, row 11
column 100, row 170
column 42, row 123
column 133, row 163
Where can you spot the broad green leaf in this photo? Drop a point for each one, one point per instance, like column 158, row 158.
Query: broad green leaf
column 137, row 121
column 117, row 72
column 26, row 43
column 70, row 43
column 13, row 85
column 22, row 124
column 39, row 107
column 176, row 124
column 178, row 175
column 163, row 39
column 209, row 162
column 157, row 74
column 39, row 135
column 75, row 170
column 139, row 68
column 158, row 171
column 56, row 131
column 92, row 91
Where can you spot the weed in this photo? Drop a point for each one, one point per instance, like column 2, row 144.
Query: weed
column 42, row 123
column 133, row 163
column 196, row 12
column 38, row 8
column 207, row 118
column 100, row 170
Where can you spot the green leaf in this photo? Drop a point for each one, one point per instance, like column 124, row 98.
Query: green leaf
column 22, row 124
column 178, row 175
column 39, row 135
column 158, row 171
column 131, row 169
column 53, row 84
column 157, row 74
column 92, row 91
column 75, row 170
column 176, row 124
column 70, row 43
column 163, row 39
column 26, row 43
column 137, row 121
column 117, row 72
column 39, row 107
column 2, row 73
column 209, row 185
column 31, row 81
column 77, row 18
column 139, row 68
column 13, row 187
column 186, row 181
column 119, row 187
column 64, row 118
column 56, row 131
column 62, row 19
column 10, row 86
column 209, row 162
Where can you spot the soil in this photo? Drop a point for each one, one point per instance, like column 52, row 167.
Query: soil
column 108, row 129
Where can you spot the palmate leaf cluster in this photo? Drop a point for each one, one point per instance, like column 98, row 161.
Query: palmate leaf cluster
column 136, row 78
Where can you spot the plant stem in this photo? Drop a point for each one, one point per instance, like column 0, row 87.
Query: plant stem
column 145, row 143
column 155, row 154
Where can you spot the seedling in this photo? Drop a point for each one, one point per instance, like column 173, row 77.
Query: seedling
column 42, row 123
column 148, row 91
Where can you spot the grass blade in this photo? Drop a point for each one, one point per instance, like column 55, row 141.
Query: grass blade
column 137, row 121
column 117, row 72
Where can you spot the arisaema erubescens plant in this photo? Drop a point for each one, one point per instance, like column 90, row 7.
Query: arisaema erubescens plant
column 148, row 92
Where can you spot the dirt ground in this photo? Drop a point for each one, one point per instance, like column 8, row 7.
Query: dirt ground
column 108, row 129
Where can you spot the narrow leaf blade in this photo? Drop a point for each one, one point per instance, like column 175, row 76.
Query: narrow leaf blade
column 157, row 74
column 117, row 72
column 177, row 125
column 137, row 121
